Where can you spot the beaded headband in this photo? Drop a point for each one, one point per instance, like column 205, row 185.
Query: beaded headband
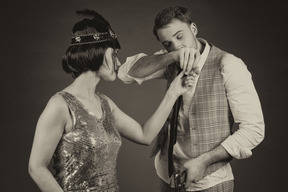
column 93, row 38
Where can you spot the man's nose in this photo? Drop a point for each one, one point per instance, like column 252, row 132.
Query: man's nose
column 176, row 45
column 179, row 46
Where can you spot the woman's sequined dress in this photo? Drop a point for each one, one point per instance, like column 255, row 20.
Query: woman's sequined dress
column 85, row 158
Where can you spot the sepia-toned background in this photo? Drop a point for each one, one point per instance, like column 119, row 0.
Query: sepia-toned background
column 35, row 35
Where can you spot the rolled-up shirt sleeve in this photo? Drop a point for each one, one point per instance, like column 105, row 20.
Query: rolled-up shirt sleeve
column 245, row 106
column 130, row 61
column 124, row 69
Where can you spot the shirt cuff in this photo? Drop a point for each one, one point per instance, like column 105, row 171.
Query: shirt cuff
column 234, row 149
column 124, row 69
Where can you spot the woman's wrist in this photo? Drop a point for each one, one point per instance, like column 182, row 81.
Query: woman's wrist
column 171, row 94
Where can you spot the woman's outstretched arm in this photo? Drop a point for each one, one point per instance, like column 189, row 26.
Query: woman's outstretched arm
column 132, row 130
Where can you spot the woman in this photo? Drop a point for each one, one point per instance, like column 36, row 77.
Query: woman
column 80, row 128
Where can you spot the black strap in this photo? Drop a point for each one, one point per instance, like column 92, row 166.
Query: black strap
column 173, row 134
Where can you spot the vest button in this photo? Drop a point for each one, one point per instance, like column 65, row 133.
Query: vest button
column 193, row 127
column 192, row 112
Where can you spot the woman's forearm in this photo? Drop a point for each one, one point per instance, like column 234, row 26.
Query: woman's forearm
column 44, row 179
column 153, row 125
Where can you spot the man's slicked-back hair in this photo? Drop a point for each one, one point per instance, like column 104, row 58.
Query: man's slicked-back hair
column 165, row 16
column 80, row 58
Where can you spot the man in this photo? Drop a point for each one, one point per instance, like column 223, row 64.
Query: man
column 224, row 95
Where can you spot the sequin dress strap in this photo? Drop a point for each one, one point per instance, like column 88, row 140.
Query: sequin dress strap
column 108, row 121
column 104, row 103
column 75, row 104
column 70, row 99
column 72, row 105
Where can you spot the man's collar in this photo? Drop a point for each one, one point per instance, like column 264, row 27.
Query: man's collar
column 204, row 54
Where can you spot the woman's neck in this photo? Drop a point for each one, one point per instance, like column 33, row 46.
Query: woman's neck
column 85, row 85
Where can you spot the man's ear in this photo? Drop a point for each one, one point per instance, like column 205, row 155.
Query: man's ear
column 194, row 28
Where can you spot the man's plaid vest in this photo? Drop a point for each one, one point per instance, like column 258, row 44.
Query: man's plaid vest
column 210, row 118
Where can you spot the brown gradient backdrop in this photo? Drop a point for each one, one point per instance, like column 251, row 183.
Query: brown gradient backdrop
column 35, row 35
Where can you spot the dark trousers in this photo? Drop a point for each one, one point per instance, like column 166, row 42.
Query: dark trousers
column 227, row 186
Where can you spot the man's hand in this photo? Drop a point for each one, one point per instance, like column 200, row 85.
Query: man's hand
column 189, row 59
column 195, row 169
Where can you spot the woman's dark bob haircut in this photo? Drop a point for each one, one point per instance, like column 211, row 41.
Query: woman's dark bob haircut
column 80, row 58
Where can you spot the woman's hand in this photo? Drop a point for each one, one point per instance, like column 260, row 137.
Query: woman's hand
column 181, row 84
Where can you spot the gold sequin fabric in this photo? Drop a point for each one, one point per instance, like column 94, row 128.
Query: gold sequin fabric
column 85, row 158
